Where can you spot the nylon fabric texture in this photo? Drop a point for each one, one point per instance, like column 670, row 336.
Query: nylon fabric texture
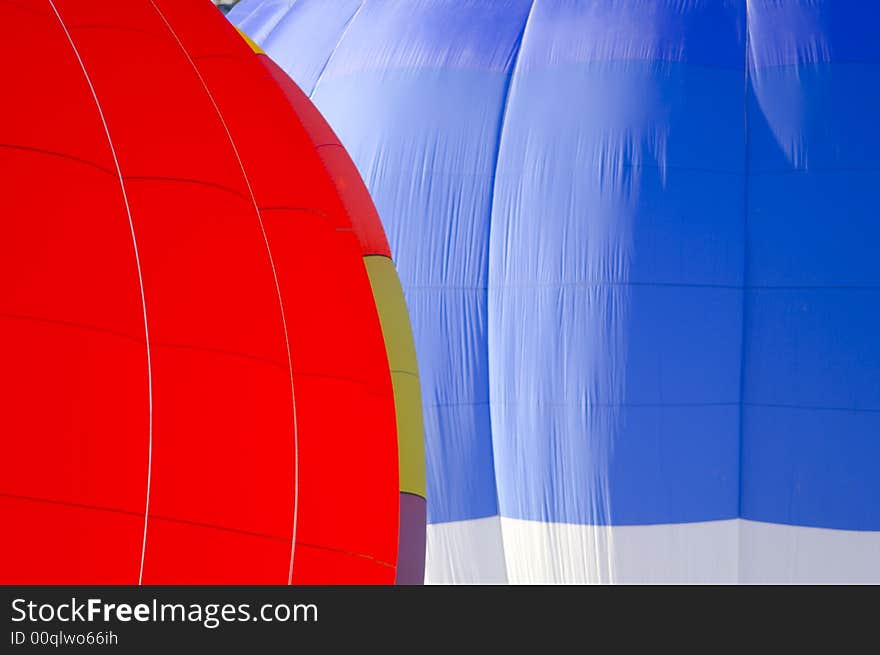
column 637, row 239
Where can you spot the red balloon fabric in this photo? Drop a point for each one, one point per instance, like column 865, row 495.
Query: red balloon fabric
column 194, row 386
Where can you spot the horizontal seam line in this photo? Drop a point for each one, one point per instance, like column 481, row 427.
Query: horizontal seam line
column 342, row 551
column 816, row 169
column 589, row 404
column 139, row 340
column 562, row 285
column 186, row 180
column 199, row 524
column 818, row 408
column 610, row 169
column 410, row 373
column 72, row 324
column 732, row 68
column 118, row 28
column 751, row 173
column 306, row 210
column 62, row 155
column 330, row 376
column 800, row 64
column 554, row 285
column 160, row 344
column 670, row 405
column 220, row 351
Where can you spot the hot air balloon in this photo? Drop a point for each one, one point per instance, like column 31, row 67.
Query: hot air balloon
column 638, row 240
column 206, row 359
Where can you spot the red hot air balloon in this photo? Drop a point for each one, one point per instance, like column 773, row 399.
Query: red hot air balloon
column 195, row 384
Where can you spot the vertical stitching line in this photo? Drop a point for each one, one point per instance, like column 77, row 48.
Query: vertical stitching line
column 513, row 68
column 742, row 370
column 335, row 48
column 277, row 286
column 140, row 283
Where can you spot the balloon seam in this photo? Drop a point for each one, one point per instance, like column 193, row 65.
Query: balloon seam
column 140, row 283
column 274, row 275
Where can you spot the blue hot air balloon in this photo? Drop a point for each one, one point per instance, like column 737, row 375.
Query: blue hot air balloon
column 640, row 244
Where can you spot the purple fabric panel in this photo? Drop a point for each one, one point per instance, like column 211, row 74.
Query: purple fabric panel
column 411, row 540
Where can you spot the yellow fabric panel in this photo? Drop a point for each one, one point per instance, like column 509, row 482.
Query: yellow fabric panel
column 410, row 432
column 392, row 313
column 401, row 350
column 253, row 45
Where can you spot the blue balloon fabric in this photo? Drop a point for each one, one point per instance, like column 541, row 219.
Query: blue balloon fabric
column 638, row 240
